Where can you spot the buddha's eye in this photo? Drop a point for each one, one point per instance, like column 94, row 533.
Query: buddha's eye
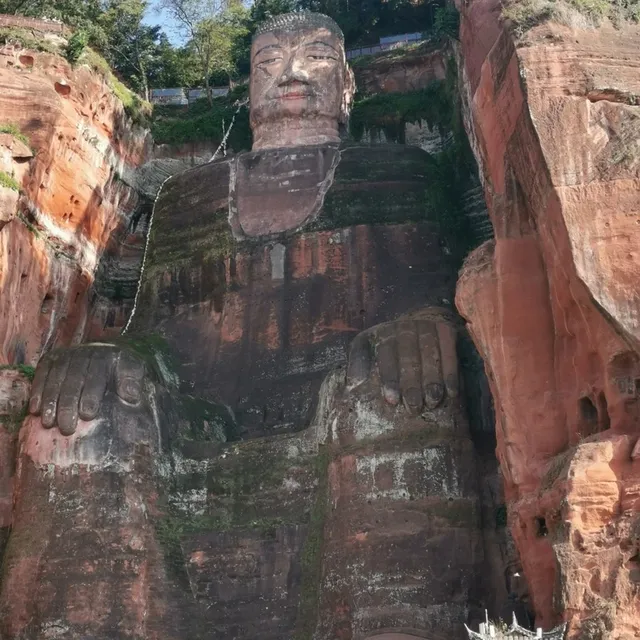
column 269, row 61
column 320, row 56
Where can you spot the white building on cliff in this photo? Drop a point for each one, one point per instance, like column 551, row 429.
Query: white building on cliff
column 489, row 631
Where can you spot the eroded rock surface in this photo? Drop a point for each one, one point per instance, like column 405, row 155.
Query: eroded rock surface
column 552, row 304
column 77, row 195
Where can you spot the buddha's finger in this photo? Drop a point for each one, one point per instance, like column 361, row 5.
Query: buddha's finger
column 359, row 367
column 387, row 357
column 95, row 384
column 129, row 377
column 432, row 383
column 447, row 337
column 71, row 391
column 52, row 387
column 37, row 387
column 409, row 365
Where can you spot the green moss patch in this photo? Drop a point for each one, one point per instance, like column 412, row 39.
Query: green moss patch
column 26, row 370
column 312, row 554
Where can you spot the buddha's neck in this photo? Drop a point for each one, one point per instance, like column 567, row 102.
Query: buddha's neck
column 295, row 132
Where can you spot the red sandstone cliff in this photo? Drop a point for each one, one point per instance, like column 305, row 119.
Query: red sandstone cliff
column 553, row 304
column 75, row 195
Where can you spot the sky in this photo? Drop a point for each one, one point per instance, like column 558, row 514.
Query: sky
column 155, row 16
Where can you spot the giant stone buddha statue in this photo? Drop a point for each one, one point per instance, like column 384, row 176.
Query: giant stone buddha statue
column 303, row 299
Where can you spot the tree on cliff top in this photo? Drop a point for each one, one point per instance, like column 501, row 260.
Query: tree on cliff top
column 130, row 46
column 213, row 27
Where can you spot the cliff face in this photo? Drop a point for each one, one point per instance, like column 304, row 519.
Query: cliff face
column 75, row 199
column 552, row 304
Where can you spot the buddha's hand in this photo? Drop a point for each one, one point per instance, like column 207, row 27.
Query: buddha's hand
column 412, row 360
column 74, row 383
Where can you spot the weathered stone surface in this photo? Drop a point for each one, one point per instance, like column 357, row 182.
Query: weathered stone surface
column 74, row 202
column 402, row 71
column 267, row 321
column 551, row 304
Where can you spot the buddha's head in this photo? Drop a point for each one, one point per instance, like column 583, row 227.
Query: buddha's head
column 301, row 86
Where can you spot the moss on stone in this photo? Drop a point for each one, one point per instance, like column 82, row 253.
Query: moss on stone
column 312, row 554
column 156, row 353
column 209, row 241
column 136, row 108
column 256, row 485
column 26, row 370
column 390, row 112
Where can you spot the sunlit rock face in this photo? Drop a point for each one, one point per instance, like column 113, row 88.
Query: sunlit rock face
column 77, row 196
column 552, row 304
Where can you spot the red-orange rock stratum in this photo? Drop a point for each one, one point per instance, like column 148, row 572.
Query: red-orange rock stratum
column 553, row 304
column 75, row 195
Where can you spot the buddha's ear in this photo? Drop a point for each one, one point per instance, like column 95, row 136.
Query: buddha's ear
column 347, row 94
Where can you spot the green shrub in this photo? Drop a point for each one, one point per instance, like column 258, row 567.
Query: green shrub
column 9, row 181
column 26, row 370
column 12, row 129
column 76, row 46
column 446, row 21
column 501, row 516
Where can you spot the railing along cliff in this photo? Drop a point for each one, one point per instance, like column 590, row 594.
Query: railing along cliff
column 36, row 24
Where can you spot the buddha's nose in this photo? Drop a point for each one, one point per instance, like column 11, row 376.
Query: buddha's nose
column 294, row 72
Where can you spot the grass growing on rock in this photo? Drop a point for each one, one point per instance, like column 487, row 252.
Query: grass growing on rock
column 136, row 108
column 13, row 130
column 447, row 172
column 9, row 181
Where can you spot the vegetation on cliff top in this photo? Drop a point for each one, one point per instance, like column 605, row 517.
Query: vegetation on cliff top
column 201, row 121
column 526, row 14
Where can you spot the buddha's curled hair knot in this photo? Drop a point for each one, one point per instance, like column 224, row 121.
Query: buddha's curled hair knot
column 299, row 20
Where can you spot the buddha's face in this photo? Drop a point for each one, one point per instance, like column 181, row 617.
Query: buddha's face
column 298, row 74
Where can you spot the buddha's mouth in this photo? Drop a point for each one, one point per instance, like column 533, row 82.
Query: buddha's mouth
column 294, row 94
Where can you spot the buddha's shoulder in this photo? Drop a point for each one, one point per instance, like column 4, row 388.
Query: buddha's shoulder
column 375, row 184
column 198, row 189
